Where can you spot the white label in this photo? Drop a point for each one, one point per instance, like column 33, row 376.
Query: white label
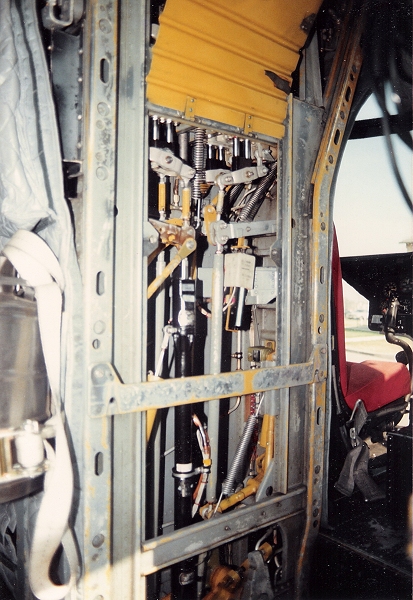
column 376, row 319
column 186, row 468
column 239, row 270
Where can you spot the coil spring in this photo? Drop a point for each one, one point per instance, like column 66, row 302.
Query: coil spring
column 251, row 207
column 234, row 473
column 235, row 191
column 198, row 159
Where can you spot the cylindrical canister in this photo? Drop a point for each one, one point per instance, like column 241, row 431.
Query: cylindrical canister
column 23, row 377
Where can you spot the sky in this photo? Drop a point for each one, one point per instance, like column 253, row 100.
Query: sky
column 370, row 215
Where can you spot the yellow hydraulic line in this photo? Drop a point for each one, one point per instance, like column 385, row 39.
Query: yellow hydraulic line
column 151, row 413
column 186, row 204
column 162, row 197
column 150, row 420
column 249, row 490
column 267, row 439
column 186, row 249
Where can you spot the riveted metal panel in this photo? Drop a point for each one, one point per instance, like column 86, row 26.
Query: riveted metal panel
column 229, row 62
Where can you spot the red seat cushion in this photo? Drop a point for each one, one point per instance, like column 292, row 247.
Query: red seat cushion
column 377, row 383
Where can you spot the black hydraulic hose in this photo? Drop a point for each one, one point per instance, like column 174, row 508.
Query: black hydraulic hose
column 387, row 56
column 183, row 321
column 252, row 205
column 390, row 322
column 393, row 339
column 183, row 579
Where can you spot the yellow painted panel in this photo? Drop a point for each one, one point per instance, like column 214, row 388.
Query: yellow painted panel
column 216, row 53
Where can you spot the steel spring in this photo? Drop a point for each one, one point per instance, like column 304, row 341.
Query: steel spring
column 234, row 473
column 198, row 158
column 235, row 191
column 250, row 209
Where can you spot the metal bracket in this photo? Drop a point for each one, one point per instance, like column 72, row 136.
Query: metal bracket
column 190, row 108
column 320, row 363
column 265, row 286
column 222, row 232
column 220, row 139
column 249, row 124
column 245, row 175
column 257, row 584
column 109, row 396
column 164, row 162
column 150, row 238
column 59, row 14
column 213, row 175
column 171, row 233
column 276, row 254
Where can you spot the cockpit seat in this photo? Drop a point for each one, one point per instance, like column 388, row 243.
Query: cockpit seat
column 371, row 392
column 377, row 383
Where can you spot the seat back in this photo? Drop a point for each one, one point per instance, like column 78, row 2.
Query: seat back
column 377, row 383
column 340, row 341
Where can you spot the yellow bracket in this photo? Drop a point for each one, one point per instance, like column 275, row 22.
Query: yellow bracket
column 161, row 197
column 186, row 249
column 248, row 124
column 190, row 108
column 186, row 203
column 175, row 221
column 210, row 216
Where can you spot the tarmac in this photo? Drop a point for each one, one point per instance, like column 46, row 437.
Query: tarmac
column 362, row 344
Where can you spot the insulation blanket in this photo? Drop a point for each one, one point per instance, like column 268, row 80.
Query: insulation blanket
column 30, row 166
column 32, row 198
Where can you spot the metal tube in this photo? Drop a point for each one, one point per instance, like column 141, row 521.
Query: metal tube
column 155, row 128
column 159, row 320
column 159, row 307
column 183, row 145
column 169, row 132
column 215, row 367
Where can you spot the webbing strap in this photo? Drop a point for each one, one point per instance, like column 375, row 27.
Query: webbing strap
column 37, row 264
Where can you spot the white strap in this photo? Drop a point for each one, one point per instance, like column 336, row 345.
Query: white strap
column 37, row 264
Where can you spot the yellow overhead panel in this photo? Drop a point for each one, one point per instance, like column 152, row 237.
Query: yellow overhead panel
column 229, row 62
